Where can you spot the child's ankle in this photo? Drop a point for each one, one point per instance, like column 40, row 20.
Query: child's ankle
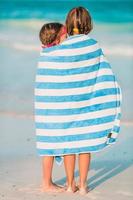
column 82, row 184
column 47, row 184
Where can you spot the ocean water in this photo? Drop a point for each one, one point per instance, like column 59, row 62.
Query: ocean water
column 20, row 22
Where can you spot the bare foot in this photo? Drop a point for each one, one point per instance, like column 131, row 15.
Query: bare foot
column 83, row 190
column 72, row 188
column 53, row 188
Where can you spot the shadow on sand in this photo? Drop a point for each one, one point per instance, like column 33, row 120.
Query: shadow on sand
column 109, row 166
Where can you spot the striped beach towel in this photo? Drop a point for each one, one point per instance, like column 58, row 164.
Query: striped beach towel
column 77, row 99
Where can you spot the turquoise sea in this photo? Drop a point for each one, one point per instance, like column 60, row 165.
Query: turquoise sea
column 20, row 22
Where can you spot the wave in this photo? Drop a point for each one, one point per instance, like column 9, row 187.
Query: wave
column 26, row 47
column 14, row 31
column 114, row 50
column 119, row 50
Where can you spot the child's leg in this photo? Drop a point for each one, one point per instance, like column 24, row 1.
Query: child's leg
column 69, row 162
column 47, row 166
column 84, row 164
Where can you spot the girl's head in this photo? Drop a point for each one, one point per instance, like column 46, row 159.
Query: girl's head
column 78, row 21
column 52, row 34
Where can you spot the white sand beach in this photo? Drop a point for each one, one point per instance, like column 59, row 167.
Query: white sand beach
column 110, row 176
column 111, row 173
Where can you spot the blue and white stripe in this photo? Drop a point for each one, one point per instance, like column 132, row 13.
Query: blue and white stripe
column 77, row 99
